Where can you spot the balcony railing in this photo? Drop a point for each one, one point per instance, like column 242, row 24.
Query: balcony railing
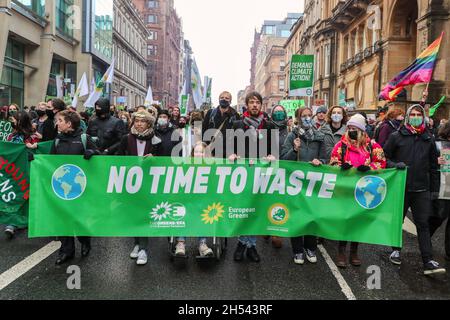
column 359, row 57
column 368, row 52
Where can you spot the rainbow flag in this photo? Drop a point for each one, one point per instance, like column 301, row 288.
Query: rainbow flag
column 420, row 71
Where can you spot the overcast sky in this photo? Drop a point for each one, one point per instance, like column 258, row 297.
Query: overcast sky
column 221, row 35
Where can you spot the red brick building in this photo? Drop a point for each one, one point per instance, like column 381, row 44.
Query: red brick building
column 163, row 48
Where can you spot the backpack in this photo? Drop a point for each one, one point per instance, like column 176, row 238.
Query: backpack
column 83, row 141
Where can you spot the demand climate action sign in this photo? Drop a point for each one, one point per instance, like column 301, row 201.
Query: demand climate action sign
column 302, row 76
column 132, row 196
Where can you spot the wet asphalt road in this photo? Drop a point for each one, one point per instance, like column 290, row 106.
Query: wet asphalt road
column 109, row 273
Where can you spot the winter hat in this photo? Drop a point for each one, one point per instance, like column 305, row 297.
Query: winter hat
column 153, row 111
column 322, row 109
column 146, row 116
column 357, row 121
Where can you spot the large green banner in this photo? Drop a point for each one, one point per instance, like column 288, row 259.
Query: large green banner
column 301, row 76
column 133, row 196
column 15, row 181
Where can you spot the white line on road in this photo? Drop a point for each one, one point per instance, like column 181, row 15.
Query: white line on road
column 345, row 288
column 12, row 274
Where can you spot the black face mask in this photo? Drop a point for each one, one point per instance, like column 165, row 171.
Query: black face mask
column 50, row 114
column 224, row 103
column 40, row 113
column 353, row 135
column 181, row 125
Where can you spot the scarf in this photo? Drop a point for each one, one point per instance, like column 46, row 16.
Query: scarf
column 253, row 122
column 420, row 130
column 146, row 135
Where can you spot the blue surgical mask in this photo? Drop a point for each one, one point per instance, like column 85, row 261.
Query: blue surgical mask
column 306, row 122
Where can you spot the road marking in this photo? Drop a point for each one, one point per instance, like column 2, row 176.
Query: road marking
column 345, row 288
column 409, row 226
column 12, row 274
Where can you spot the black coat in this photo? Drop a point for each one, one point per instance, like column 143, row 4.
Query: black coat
column 260, row 140
column 420, row 154
column 71, row 144
column 108, row 131
column 128, row 146
column 167, row 145
column 213, row 120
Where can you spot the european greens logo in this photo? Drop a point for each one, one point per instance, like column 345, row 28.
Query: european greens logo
column 370, row 192
column 278, row 214
column 69, row 182
column 213, row 213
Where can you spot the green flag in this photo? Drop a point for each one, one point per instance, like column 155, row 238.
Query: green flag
column 135, row 196
column 15, row 181
column 435, row 107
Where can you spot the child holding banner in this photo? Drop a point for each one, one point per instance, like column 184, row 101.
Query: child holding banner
column 198, row 151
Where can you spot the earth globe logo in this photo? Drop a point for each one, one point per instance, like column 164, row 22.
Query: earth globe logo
column 370, row 192
column 69, row 182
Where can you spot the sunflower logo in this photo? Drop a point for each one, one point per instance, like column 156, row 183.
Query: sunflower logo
column 213, row 213
column 162, row 211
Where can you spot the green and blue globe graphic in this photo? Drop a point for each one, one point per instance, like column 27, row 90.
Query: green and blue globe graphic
column 370, row 192
column 69, row 182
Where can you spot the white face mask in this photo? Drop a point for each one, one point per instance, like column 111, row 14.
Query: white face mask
column 336, row 118
column 163, row 122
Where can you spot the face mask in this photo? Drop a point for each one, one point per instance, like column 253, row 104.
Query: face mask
column 353, row 135
column 224, row 103
column 181, row 125
column 279, row 116
column 12, row 112
column 307, row 122
column 163, row 122
column 415, row 122
column 125, row 121
column 336, row 118
column 50, row 114
column 397, row 122
column 40, row 113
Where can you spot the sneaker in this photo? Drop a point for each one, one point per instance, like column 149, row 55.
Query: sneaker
column 135, row 253
column 311, row 256
column 142, row 258
column 432, row 267
column 299, row 258
column 180, row 249
column 9, row 232
column 239, row 252
column 204, row 250
column 395, row 257
column 253, row 255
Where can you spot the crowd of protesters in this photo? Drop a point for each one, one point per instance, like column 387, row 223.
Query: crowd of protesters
column 397, row 138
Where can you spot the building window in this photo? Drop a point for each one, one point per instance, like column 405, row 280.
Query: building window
column 151, row 18
column 327, row 57
column 151, row 50
column 285, row 33
column 282, row 65
column 153, row 35
column 36, row 6
column 63, row 16
column 281, row 85
column 12, row 80
column 269, row 29
column 152, row 4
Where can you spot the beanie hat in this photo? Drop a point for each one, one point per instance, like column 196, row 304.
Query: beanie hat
column 322, row 109
column 357, row 121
